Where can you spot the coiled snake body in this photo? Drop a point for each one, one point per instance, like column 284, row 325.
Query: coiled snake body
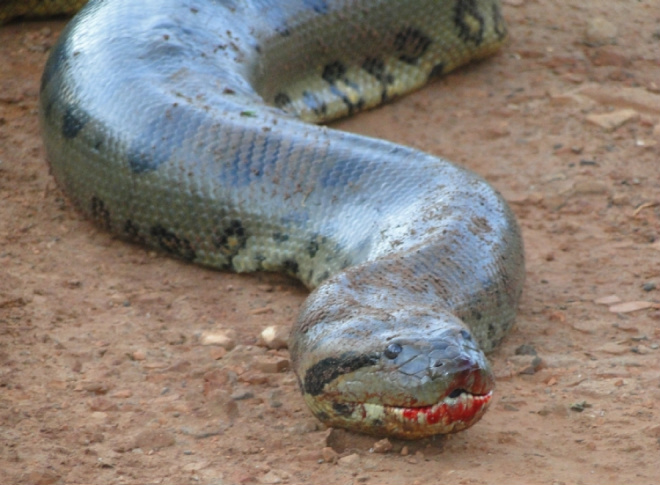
column 181, row 124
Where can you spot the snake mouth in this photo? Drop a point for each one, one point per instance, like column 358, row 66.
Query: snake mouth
column 455, row 412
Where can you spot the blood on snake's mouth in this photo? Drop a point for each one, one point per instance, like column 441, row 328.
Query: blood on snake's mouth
column 458, row 406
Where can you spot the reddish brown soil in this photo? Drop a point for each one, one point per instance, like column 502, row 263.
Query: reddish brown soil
column 103, row 375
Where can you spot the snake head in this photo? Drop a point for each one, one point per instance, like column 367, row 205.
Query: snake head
column 418, row 375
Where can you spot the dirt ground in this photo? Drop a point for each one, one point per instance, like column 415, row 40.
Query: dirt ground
column 106, row 375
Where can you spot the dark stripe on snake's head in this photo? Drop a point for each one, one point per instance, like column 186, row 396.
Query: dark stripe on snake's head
column 328, row 369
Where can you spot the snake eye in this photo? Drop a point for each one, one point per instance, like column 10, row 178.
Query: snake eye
column 392, row 351
column 466, row 335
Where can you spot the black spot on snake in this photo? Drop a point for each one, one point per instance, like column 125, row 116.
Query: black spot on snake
column 100, row 213
column 279, row 237
column 437, row 70
column 73, row 121
column 376, row 67
column 141, row 162
column 333, row 72
column 282, row 100
column 469, row 21
column 313, row 103
column 312, row 248
column 328, row 369
column 173, row 244
column 290, row 266
column 500, row 25
column 232, row 238
column 132, row 230
column 411, row 44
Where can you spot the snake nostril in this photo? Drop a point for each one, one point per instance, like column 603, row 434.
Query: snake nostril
column 392, row 351
column 466, row 335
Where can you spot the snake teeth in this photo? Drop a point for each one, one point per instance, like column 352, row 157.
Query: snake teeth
column 466, row 408
column 449, row 415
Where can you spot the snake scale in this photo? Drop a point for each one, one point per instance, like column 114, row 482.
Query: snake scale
column 183, row 124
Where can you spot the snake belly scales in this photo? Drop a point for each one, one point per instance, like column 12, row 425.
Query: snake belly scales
column 184, row 124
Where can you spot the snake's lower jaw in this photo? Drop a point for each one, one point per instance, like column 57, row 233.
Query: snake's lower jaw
column 449, row 415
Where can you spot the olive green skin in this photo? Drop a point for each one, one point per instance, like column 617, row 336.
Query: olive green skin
column 183, row 125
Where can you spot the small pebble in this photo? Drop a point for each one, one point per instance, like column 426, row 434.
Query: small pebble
column 349, row 460
column 223, row 338
column 262, row 310
column 382, row 446
column 271, row 364
column 650, row 286
column 274, row 337
column 122, row 394
column 98, row 388
column 139, row 355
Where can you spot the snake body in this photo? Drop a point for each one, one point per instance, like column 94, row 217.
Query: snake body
column 182, row 124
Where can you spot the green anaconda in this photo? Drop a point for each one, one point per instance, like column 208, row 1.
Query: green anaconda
column 183, row 124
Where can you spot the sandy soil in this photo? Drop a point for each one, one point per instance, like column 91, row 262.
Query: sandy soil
column 104, row 377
